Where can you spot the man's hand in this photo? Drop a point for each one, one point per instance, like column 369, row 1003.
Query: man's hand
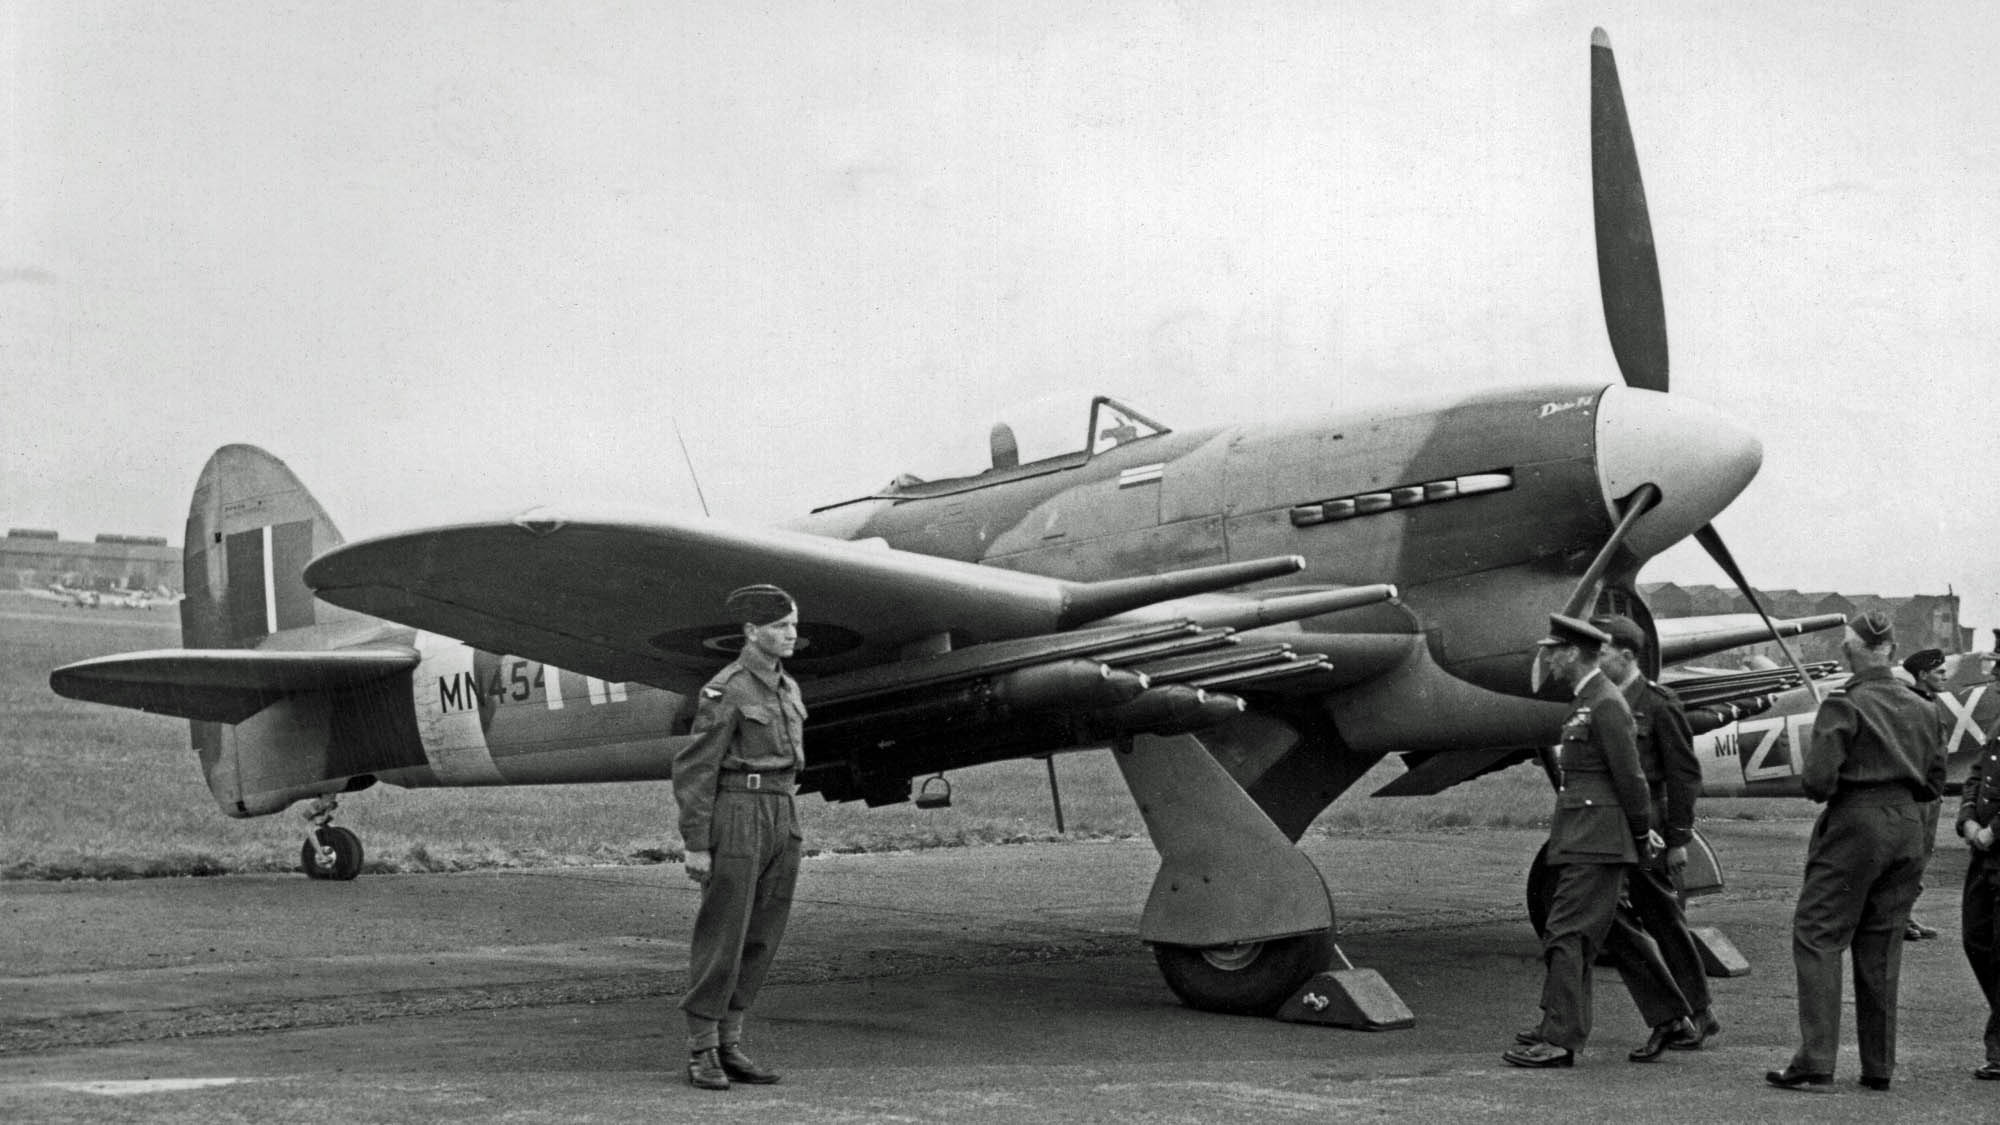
column 1677, row 861
column 1983, row 839
column 1651, row 845
column 697, row 867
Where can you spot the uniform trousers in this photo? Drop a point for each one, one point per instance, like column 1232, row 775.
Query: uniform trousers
column 1979, row 920
column 1654, row 952
column 1580, row 917
column 744, row 907
column 1864, row 864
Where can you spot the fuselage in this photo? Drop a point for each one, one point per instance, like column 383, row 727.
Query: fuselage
column 1762, row 756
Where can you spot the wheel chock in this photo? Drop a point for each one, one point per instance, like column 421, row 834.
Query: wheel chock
column 1356, row 998
column 1719, row 956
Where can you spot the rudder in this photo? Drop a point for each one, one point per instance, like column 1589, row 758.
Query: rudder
column 251, row 529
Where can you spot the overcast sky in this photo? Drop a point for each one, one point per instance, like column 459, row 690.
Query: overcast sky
column 448, row 259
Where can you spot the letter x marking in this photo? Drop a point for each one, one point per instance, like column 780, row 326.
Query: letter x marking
column 1962, row 712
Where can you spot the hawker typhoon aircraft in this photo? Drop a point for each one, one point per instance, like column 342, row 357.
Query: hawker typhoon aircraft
column 1251, row 616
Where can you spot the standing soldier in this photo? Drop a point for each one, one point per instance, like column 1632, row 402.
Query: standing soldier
column 1673, row 781
column 734, row 780
column 1602, row 826
column 1875, row 758
column 1928, row 679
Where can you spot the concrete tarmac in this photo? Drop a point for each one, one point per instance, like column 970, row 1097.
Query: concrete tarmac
column 994, row 984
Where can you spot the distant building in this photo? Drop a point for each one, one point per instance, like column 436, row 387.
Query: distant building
column 32, row 557
column 1921, row 620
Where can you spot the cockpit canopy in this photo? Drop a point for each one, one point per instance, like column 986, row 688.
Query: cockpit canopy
column 1035, row 436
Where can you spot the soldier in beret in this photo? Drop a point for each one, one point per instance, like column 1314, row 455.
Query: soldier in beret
column 1979, row 910
column 734, row 781
column 1676, row 1008
column 1875, row 758
column 1927, row 678
column 1602, row 826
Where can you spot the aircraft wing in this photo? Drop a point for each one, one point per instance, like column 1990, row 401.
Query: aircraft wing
column 221, row 685
column 635, row 595
column 1687, row 638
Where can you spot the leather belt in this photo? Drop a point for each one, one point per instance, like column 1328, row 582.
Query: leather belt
column 1877, row 793
column 782, row 783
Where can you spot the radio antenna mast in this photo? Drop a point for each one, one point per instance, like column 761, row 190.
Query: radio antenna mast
column 692, row 475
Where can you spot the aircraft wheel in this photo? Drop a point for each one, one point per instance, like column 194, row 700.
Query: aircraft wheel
column 1251, row 979
column 346, row 847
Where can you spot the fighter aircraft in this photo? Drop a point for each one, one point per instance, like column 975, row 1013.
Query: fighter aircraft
column 1252, row 616
column 73, row 595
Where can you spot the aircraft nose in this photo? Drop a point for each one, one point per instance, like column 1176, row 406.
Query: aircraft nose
column 1698, row 458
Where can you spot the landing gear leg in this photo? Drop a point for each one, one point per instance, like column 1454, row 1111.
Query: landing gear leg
column 329, row 852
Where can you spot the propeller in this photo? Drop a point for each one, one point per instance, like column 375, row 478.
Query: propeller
column 1628, row 269
column 1585, row 594
column 1711, row 541
column 1635, row 318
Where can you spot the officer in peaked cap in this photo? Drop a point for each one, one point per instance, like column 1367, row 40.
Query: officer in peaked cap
column 1665, row 975
column 1602, row 827
column 1875, row 758
column 1927, row 678
column 734, row 781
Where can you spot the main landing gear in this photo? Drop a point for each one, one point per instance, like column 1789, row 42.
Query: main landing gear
column 1251, row 979
column 330, row 852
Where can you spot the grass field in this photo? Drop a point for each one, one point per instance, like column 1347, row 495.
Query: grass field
column 98, row 792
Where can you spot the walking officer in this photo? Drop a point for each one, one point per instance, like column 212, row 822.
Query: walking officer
column 1673, row 781
column 1602, row 826
column 1875, row 757
column 734, row 781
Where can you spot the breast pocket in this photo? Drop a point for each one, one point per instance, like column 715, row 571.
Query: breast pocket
column 758, row 732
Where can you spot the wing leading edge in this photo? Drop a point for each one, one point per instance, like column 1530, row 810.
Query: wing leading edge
column 626, row 595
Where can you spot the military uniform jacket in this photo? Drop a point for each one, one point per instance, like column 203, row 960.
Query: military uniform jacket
column 1603, row 808
column 746, row 720
column 1870, row 732
column 1981, row 799
column 1666, row 754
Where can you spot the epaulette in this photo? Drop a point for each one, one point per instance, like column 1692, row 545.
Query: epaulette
column 1666, row 692
column 713, row 688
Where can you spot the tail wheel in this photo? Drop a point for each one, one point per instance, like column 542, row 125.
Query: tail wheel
column 345, row 862
column 1251, row 979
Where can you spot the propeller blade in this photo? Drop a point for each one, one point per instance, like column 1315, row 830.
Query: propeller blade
column 1585, row 594
column 1711, row 541
column 1628, row 270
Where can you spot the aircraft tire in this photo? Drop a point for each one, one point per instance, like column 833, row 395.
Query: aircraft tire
column 1253, row 979
column 346, row 855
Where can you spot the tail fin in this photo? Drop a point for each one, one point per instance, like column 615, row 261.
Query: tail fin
column 251, row 529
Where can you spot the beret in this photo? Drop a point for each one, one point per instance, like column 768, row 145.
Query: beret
column 1923, row 660
column 1623, row 631
column 1872, row 627
column 759, row 605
